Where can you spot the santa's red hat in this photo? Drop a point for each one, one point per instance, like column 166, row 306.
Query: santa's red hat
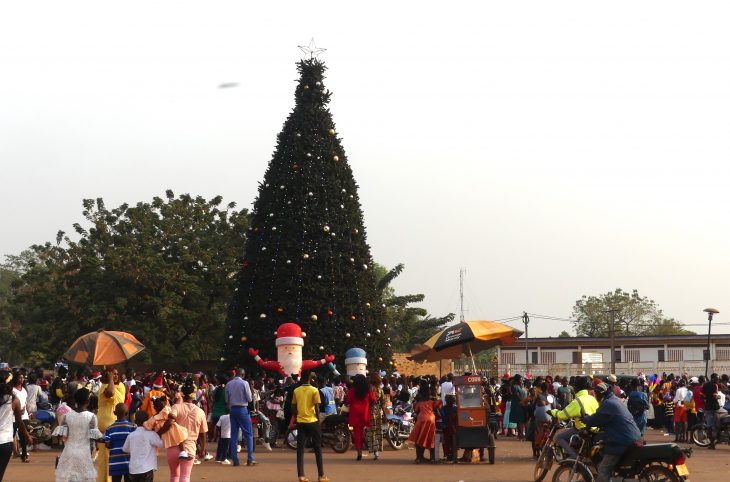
column 289, row 334
column 159, row 381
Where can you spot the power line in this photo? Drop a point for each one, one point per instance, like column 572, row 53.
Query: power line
column 511, row 319
column 557, row 318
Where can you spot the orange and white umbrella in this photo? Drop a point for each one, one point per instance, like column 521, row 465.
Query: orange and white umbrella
column 103, row 348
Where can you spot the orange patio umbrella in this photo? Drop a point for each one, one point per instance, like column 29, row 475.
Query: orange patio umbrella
column 464, row 338
column 101, row 348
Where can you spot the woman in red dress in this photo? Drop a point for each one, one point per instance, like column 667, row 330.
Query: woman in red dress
column 424, row 433
column 358, row 399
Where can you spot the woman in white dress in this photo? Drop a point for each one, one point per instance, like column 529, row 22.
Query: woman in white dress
column 78, row 427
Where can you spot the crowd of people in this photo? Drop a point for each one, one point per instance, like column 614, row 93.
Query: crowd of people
column 112, row 424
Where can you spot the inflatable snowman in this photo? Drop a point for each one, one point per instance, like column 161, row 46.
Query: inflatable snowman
column 356, row 362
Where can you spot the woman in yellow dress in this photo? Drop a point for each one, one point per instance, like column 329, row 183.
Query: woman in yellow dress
column 110, row 394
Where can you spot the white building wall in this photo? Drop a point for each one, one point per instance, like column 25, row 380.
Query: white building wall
column 694, row 353
column 649, row 356
column 646, row 354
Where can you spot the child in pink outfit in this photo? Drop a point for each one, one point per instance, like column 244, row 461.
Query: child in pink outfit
column 176, row 435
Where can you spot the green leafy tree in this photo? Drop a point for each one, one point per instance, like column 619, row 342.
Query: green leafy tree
column 10, row 271
column 564, row 334
column 162, row 271
column 307, row 258
column 633, row 315
column 410, row 325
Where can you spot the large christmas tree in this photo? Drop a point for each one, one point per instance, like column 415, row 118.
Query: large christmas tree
column 307, row 260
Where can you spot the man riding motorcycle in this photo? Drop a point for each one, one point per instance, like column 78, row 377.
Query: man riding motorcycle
column 618, row 424
column 582, row 405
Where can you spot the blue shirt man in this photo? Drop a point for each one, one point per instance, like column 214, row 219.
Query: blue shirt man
column 328, row 400
column 238, row 396
column 614, row 418
column 637, row 404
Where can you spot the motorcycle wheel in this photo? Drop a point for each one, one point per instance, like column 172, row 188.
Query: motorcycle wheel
column 341, row 442
column 544, row 463
column 581, row 474
column 699, row 436
column 393, row 437
column 658, row 473
column 290, row 439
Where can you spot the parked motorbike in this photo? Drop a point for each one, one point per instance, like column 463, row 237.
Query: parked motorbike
column 335, row 433
column 263, row 434
column 651, row 462
column 551, row 451
column 699, row 434
column 399, row 426
column 41, row 426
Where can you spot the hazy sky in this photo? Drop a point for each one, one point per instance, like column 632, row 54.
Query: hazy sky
column 553, row 149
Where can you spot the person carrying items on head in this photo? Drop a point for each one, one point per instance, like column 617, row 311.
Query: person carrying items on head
column 583, row 404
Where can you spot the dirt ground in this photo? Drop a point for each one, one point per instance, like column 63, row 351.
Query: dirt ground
column 514, row 463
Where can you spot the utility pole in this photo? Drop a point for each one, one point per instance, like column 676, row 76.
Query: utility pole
column 462, row 272
column 612, row 334
column 526, row 321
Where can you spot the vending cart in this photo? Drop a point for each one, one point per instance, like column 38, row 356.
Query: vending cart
column 472, row 428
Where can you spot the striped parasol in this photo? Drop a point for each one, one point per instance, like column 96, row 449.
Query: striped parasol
column 103, row 348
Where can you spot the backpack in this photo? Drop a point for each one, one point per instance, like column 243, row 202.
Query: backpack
column 637, row 406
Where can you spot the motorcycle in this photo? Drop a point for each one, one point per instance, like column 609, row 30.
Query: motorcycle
column 551, row 451
column 265, row 435
column 399, row 427
column 41, row 426
column 652, row 462
column 335, row 433
column 700, row 436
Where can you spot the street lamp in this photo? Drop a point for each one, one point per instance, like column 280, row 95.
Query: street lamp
column 710, row 312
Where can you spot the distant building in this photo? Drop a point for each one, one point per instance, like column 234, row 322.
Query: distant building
column 634, row 354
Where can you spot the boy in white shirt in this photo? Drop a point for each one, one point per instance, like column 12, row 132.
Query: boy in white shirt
column 142, row 445
column 223, row 427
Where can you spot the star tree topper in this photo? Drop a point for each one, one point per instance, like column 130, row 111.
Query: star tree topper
column 311, row 49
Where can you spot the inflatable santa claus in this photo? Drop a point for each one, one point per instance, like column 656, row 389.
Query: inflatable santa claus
column 289, row 343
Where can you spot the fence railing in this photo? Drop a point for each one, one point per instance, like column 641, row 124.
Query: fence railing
column 491, row 369
column 692, row 368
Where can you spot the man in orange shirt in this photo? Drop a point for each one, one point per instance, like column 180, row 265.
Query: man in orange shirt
column 156, row 392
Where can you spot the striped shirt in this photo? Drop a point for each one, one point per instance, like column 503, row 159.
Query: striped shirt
column 116, row 435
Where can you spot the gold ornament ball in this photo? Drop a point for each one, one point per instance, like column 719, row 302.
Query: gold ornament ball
column 380, row 358
column 314, row 317
column 306, row 87
column 332, row 132
column 336, row 158
column 243, row 339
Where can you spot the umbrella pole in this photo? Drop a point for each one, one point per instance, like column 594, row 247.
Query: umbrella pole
column 471, row 355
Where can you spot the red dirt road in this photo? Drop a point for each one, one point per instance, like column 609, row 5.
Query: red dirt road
column 514, row 463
